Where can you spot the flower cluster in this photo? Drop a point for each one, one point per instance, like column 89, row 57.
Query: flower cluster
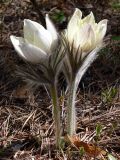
column 48, row 53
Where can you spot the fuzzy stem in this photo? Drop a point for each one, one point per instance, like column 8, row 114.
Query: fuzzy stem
column 56, row 113
column 71, row 114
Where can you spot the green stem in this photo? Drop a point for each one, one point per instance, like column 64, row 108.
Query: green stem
column 71, row 114
column 56, row 113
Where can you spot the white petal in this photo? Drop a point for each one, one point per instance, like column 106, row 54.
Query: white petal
column 51, row 28
column 27, row 51
column 101, row 29
column 103, row 22
column 90, row 41
column 89, row 19
column 37, row 35
column 85, row 38
column 77, row 15
column 16, row 44
column 73, row 24
column 29, row 31
column 83, row 35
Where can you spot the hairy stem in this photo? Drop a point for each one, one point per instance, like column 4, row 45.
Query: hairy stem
column 73, row 85
column 71, row 114
column 56, row 114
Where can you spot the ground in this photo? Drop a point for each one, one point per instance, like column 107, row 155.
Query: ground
column 26, row 125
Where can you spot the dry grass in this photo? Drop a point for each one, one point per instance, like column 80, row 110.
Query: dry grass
column 27, row 129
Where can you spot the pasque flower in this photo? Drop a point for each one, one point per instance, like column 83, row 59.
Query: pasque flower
column 83, row 38
column 85, row 33
column 38, row 42
column 41, row 48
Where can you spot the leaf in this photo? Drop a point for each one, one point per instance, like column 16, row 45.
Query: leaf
column 110, row 157
column 116, row 38
column 62, row 143
column 89, row 149
column 82, row 151
column 116, row 5
column 98, row 130
column 59, row 16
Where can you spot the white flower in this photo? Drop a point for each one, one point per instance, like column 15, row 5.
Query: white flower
column 83, row 38
column 85, row 33
column 38, row 42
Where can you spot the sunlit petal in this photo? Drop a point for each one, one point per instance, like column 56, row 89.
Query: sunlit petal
column 73, row 24
column 27, row 51
column 90, row 19
column 51, row 28
column 89, row 44
column 16, row 44
column 37, row 35
column 84, row 35
column 101, row 29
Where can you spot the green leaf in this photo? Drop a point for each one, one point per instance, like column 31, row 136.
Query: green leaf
column 116, row 38
column 116, row 5
column 62, row 143
column 98, row 129
column 59, row 16
column 82, row 151
column 110, row 157
column 109, row 94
